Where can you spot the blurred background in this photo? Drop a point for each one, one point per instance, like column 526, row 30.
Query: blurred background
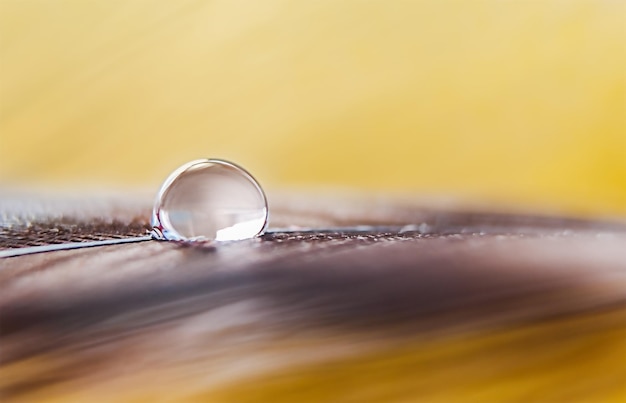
column 518, row 104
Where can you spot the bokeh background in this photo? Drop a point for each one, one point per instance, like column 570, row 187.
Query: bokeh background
column 513, row 103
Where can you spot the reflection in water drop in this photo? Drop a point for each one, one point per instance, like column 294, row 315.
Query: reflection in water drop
column 209, row 200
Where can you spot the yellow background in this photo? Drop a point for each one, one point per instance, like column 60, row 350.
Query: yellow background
column 516, row 103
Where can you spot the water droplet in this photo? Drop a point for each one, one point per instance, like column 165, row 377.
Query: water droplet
column 209, row 200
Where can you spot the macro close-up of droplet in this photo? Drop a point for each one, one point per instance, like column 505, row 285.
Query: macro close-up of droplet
column 209, row 200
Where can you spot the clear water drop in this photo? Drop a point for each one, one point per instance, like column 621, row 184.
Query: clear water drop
column 209, row 200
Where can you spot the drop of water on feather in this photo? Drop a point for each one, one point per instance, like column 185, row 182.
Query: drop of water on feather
column 209, row 200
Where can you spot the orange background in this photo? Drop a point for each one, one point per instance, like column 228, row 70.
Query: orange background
column 516, row 103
